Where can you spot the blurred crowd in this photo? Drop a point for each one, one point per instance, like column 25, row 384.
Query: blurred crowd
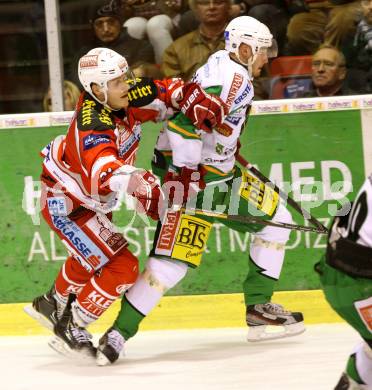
column 325, row 47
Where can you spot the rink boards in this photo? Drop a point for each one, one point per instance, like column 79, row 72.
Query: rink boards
column 184, row 312
column 316, row 143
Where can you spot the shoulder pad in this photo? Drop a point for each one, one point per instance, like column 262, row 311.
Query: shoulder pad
column 94, row 116
column 142, row 93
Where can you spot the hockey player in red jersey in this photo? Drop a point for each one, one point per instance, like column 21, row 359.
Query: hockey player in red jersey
column 83, row 173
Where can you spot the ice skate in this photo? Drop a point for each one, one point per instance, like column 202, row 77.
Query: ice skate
column 45, row 310
column 71, row 339
column 346, row 383
column 283, row 322
column 111, row 346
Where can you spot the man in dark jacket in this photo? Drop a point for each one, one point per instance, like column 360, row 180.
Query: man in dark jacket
column 328, row 73
column 109, row 32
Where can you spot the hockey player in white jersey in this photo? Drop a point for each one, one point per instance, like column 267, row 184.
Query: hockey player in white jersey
column 182, row 154
column 346, row 277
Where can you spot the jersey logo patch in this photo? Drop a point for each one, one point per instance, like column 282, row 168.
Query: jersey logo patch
column 244, row 94
column 234, row 120
column 142, row 93
column 90, row 61
column 92, row 140
column 364, row 309
column 256, row 192
column 93, row 116
column 235, row 85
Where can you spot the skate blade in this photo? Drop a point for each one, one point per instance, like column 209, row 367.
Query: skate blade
column 101, row 359
column 43, row 321
column 63, row 349
column 259, row 333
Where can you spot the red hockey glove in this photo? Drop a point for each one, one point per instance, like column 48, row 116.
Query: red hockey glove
column 143, row 186
column 182, row 185
column 205, row 111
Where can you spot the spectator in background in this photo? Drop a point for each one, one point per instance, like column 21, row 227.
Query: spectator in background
column 273, row 13
column 158, row 19
column 109, row 32
column 189, row 52
column 358, row 51
column 328, row 73
column 71, row 95
column 326, row 22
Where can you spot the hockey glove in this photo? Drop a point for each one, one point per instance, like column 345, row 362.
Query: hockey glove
column 143, row 186
column 204, row 110
column 182, row 183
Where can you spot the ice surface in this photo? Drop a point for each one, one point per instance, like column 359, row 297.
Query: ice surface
column 206, row 359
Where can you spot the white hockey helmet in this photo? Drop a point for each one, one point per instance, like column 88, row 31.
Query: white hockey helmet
column 99, row 66
column 248, row 30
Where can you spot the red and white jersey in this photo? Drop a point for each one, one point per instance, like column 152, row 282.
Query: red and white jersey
column 99, row 141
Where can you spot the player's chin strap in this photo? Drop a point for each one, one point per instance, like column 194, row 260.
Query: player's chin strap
column 318, row 227
column 248, row 64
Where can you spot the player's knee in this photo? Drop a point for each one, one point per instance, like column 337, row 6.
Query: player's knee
column 75, row 271
column 166, row 272
column 276, row 234
column 123, row 268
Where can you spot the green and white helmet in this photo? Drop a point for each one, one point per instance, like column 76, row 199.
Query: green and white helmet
column 248, row 30
column 99, row 66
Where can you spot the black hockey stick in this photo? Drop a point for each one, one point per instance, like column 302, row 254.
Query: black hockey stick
column 320, row 228
column 256, row 220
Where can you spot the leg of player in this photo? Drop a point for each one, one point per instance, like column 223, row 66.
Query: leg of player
column 100, row 269
column 102, row 289
column 266, row 259
column 159, row 276
column 358, row 373
column 45, row 309
column 48, row 308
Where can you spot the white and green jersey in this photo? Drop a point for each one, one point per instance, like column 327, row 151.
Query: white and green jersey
column 190, row 146
column 359, row 227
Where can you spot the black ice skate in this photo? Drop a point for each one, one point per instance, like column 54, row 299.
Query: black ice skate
column 71, row 339
column 346, row 383
column 111, row 346
column 284, row 322
column 45, row 309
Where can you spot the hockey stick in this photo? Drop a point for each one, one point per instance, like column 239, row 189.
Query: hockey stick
column 256, row 220
column 320, row 227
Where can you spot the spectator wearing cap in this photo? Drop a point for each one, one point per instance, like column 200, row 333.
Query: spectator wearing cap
column 109, row 32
